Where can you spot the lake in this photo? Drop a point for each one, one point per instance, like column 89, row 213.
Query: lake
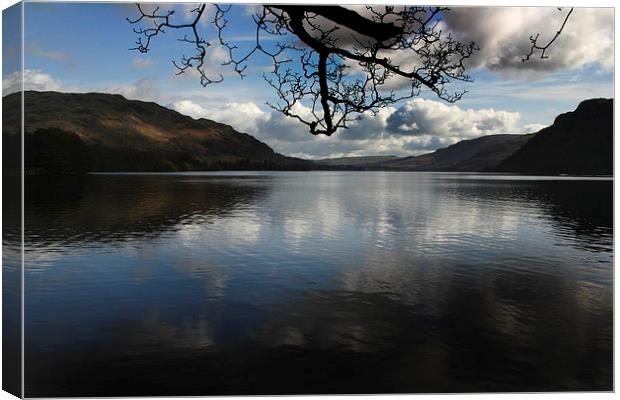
column 317, row 282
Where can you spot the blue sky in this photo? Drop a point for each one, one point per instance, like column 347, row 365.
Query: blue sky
column 85, row 47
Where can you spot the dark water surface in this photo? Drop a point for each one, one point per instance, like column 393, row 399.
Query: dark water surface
column 317, row 282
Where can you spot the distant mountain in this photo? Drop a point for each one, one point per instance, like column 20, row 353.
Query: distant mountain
column 68, row 132
column 579, row 142
column 481, row 154
column 354, row 161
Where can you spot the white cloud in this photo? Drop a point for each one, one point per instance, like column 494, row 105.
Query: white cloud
column 502, row 34
column 188, row 107
column 428, row 117
column 419, row 126
column 368, row 126
column 277, row 126
column 34, row 79
column 145, row 89
column 243, row 116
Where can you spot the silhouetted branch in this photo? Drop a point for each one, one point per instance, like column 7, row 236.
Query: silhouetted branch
column 543, row 49
column 161, row 21
column 346, row 60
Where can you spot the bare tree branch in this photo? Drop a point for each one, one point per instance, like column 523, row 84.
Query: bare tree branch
column 161, row 21
column 331, row 64
column 543, row 49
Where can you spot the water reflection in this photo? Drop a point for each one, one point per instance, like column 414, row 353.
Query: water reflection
column 11, row 281
column 317, row 283
column 119, row 208
column 580, row 209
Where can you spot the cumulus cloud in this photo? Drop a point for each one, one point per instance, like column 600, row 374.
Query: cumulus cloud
column 284, row 129
column 243, row 116
column 502, row 34
column 418, row 126
column 248, row 117
column 284, row 134
column 368, row 126
column 419, row 117
column 423, row 144
column 34, row 79
column 188, row 107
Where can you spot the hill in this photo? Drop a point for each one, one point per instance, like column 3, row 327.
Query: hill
column 354, row 162
column 480, row 154
column 578, row 143
column 69, row 132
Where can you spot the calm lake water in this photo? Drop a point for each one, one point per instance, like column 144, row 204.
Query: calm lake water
column 317, row 282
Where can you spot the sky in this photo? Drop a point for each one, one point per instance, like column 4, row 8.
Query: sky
column 85, row 47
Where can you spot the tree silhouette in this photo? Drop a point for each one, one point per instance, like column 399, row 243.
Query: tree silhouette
column 330, row 64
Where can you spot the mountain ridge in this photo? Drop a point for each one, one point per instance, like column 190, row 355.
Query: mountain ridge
column 561, row 148
column 99, row 132
column 578, row 142
column 471, row 155
column 132, row 135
